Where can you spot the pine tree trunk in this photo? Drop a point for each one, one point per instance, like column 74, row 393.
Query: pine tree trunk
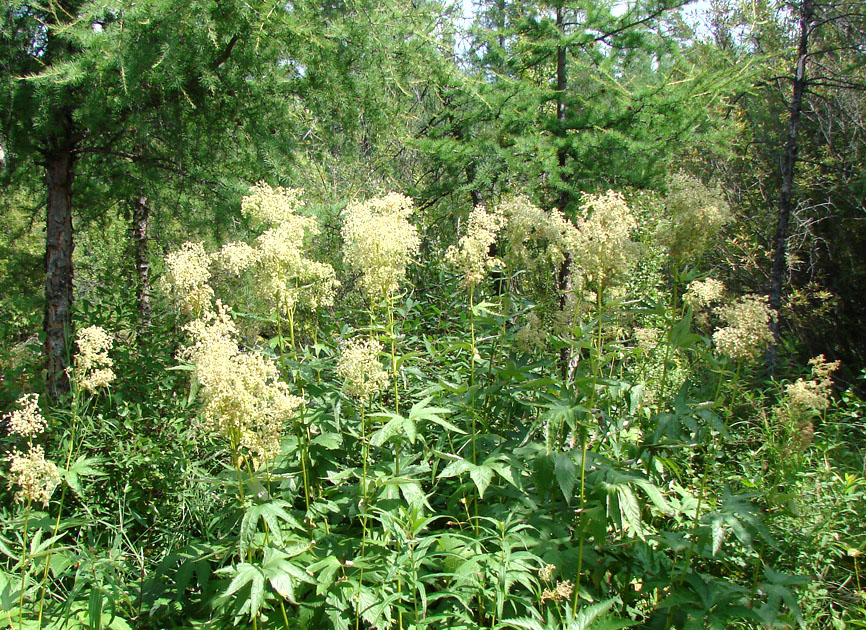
column 58, row 269
column 138, row 232
column 780, row 244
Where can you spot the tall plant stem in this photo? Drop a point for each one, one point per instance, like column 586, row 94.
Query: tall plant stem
column 24, row 570
column 708, row 464
column 674, row 316
column 75, row 404
column 393, row 338
column 301, row 427
column 596, row 369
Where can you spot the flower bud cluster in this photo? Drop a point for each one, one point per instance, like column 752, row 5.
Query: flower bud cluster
column 92, row 364
column 535, row 237
column 702, row 294
column 814, row 394
column 359, row 367
column 471, row 257
column 695, row 215
column 748, row 332
column 245, row 402
column 379, row 242
column 272, row 205
column 604, row 249
column 188, row 276
column 27, row 421
column 34, row 476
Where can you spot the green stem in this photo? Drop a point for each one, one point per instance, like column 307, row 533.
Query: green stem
column 582, row 537
column 708, row 464
column 393, row 353
column 24, row 571
column 43, row 583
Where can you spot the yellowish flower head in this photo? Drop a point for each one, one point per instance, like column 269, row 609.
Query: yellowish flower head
column 748, row 332
column 34, row 476
column 603, row 248
column 272, row 205
column 27, row 420
column 471, row 257
column 814, row 394
column 701, row 294
column 536, row 237
column 532, row 337
column 188, row 276
column 236, row 257
column 379, row 242
column 92, row 369
column 359, row 367
column 283, row 273
column 647, row 338
column 695, row 215
column 245, row 402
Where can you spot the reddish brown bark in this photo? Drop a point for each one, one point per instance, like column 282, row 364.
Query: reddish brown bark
column 58, row 269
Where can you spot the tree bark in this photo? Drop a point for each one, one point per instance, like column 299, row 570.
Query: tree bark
column 786, row 195
column 58, row 269
column 138, row 233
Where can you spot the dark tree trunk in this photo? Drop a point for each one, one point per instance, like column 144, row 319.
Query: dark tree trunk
column 789, row 161
column 138, row 232
column 58, row 268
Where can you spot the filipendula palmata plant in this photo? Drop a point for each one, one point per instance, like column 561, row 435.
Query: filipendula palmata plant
column 440, row 561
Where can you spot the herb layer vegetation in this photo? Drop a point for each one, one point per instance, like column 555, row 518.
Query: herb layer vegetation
column 385, row 320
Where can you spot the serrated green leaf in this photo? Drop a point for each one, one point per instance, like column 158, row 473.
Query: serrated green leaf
column 565, row 473
column 481, row 476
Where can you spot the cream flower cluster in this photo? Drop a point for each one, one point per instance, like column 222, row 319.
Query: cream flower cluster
column 814, row 394
column 748, row 332
column 695, row 215
column 701, row 294
column 92, row 364
column 604, row 249
column 272, row 205
column 647, row 338
column 535, row 236
column 283, row 274
column 245, row 402
column 471, row 257
column 188, row 276
column 532, row 336
column 35, row 476
column 27, row 421
column 379, row 242
column 359, row 367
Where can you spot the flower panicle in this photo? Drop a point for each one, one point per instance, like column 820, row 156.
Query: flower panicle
column 92, row 369
column 360, row 368
column 379, row 242
column 471, row 256
column 26, row 421
column 35, row 477
column 748, row 331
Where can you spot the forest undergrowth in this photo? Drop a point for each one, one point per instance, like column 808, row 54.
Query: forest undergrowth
column 532, row 424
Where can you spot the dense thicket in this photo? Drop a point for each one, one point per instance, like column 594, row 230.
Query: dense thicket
column 360, row 314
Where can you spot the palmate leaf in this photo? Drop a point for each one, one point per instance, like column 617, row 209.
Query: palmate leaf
column 595, row 617
column 273, row 513
column 282, row 574
column 396, row 427
column 83, row 467
column 246, row 573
